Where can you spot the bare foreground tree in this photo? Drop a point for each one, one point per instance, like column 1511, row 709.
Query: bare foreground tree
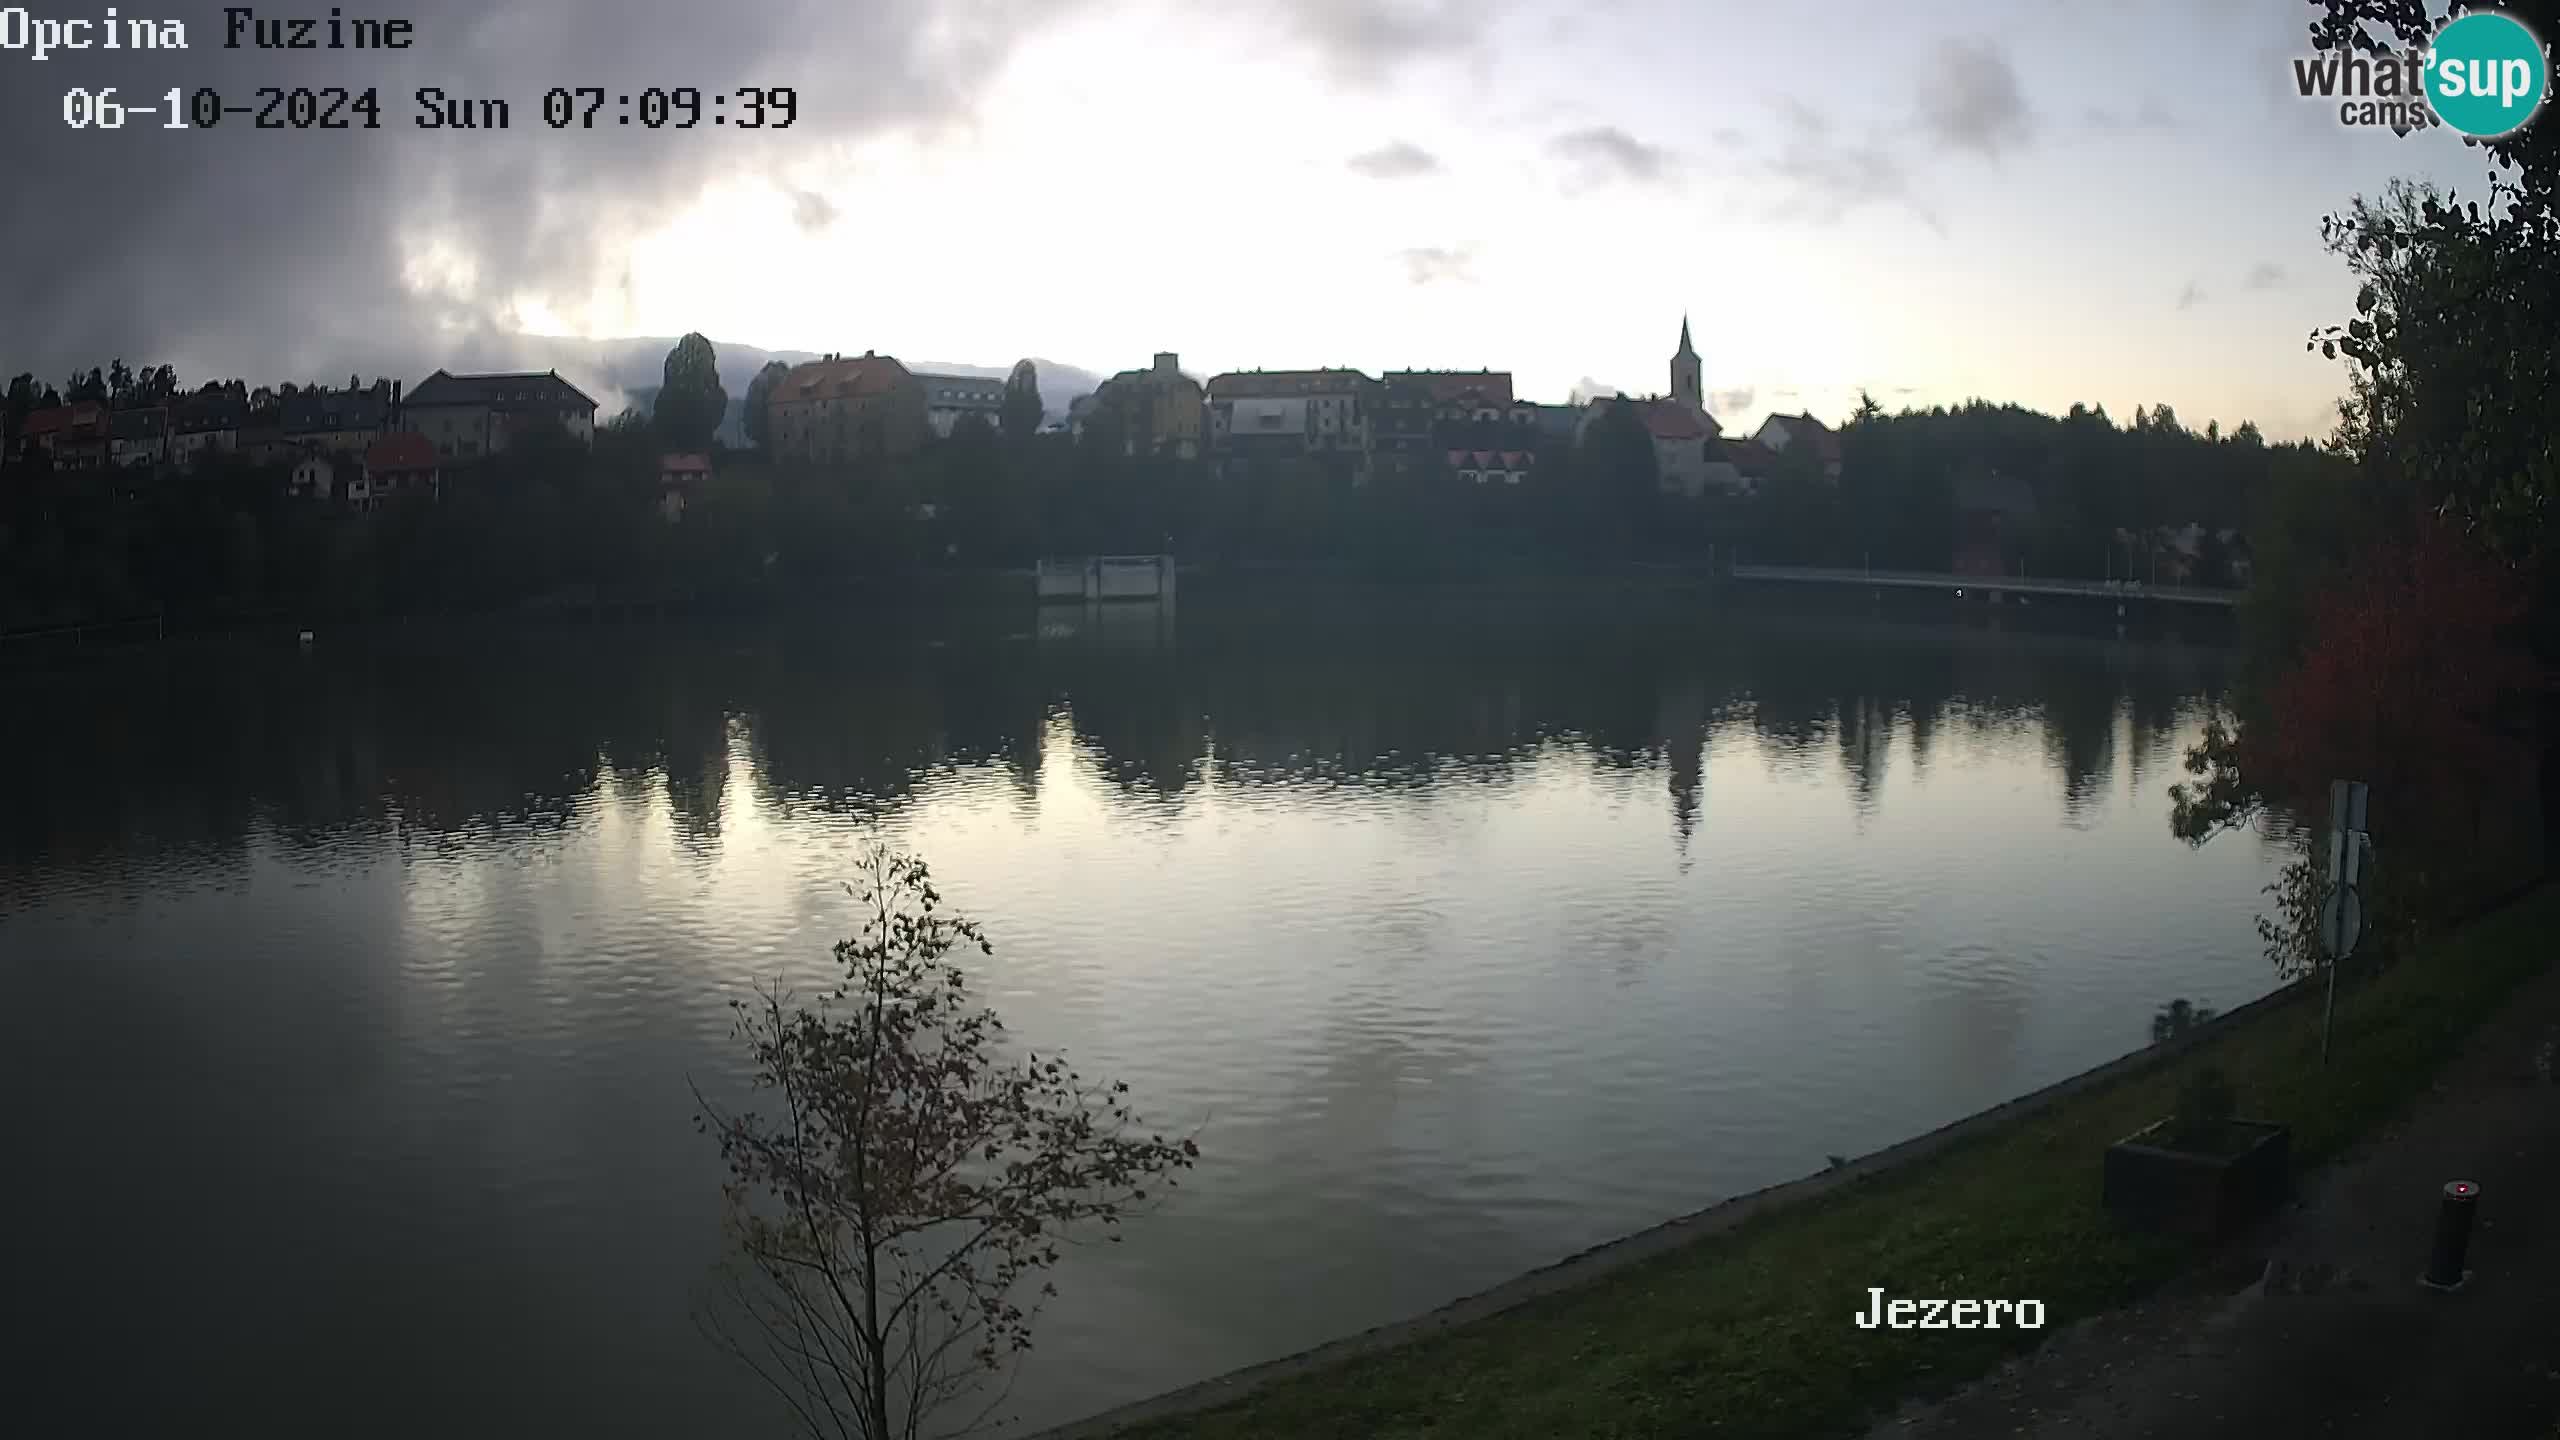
column 914, row 1179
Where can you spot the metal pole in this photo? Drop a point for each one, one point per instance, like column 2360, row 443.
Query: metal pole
column 2328, row 1009
column 2453, row 1237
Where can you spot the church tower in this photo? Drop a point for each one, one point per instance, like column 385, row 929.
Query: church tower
column 1685, row 384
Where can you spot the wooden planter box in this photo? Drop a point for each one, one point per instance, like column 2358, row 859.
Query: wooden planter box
column 2206, row 1194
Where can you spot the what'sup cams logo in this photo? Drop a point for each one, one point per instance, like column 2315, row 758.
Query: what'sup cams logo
column 2485, row 75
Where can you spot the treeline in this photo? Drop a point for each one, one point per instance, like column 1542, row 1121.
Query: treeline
column 554, row 522
column 120, row 387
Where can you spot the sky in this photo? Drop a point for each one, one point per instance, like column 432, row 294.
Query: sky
column 2114, row 202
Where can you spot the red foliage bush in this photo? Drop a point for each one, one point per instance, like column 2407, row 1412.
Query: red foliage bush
column 2410, row 664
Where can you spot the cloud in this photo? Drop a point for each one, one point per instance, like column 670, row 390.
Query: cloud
column 2265, row 275
column 1586, row 390
column 1970, row 99
column 2191, row 297
column 1364, row 42
column 1730, row 401
column 1430, row 265
column 235, row 250
column 812, row 211
column 1399, row 160
column 1604, row 152
column 2149, row 115
column 1823, row 178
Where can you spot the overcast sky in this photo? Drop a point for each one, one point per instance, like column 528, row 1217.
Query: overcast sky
column 2032, row 200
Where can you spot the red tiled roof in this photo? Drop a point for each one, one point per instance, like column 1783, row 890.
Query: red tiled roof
column 852, row 375
column 401, row 450
column 63, row 417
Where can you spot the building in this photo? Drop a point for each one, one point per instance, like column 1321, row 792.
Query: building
column 680, row 479
column 266, row 445
column 68, row 437
column 848, row 407
column 1418, row 412
column 1739, row 467
column 1158, row 410
column 1688, row 384
column 1995, row 517
column 1269, row 427
column 204, row 426
column 1686, row 438
column 139, row 438
column 1334, row 415
column 1080, row 412
column 337, row 422
column 314, row 477
column 1822, row 442
column 472, row 417
column 947, row 398
column 401, row 464
column 1492, row 467
column 1682, row 435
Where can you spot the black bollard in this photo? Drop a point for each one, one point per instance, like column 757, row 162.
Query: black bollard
column 2453, row 1237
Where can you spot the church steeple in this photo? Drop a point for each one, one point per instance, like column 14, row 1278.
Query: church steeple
column 1686, row 384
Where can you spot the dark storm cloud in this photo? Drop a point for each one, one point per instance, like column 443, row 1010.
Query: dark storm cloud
column 1970, row 98
column 1605, row 152
column 281, row 252
column 1401, row 160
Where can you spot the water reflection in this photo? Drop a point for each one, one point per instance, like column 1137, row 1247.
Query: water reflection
column 1467, row 944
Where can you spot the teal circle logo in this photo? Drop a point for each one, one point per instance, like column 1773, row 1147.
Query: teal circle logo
column 2486, row 74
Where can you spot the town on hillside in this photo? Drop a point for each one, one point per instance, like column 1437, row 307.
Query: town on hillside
column 366, row 446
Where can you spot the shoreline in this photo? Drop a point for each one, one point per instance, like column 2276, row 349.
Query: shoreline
column 1611, row 1256
column 2270, row 1020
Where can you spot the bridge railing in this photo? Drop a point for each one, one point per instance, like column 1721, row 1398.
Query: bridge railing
column 2014, row 584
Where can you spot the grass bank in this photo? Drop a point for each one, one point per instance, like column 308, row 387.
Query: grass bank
column 1748, row 1332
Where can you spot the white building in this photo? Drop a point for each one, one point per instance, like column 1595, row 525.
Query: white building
column 314, row 477
column 947, row 398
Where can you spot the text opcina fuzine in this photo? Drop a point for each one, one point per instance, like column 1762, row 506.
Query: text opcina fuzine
column 1883, row 1314
column 243, row 28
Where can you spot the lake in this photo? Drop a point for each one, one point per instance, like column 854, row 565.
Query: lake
column 349, row 1000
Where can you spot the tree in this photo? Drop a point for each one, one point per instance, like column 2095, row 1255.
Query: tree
column 24, row 396
column 759, row 418
column 92, row 386
column 1022, row 408
column 2409, row 670
column 119, row 383
column 2527, row 161
column 691, row 404
column 915, row 1179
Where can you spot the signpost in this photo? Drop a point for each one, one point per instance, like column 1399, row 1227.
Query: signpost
column 2342, row 910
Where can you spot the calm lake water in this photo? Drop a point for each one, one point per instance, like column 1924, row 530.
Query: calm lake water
column 348, row 1001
